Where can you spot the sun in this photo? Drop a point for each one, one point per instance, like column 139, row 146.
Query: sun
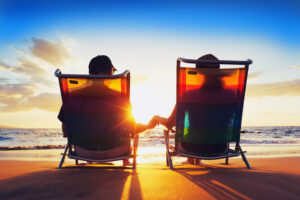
column 148, row 99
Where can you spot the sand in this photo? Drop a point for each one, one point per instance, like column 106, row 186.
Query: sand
column 269, row 178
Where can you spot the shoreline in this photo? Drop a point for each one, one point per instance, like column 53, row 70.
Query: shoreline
column 269, row 178
column 148, row 154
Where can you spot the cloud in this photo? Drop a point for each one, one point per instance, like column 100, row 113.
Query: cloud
column 3, row 65
column 290, row 88
column 34, row 72
column 45, row 101
column 30, row 69
column 296, row 67
column 19, row 89
column 254, row 75
column 21, row 97
column 3, row 80
column 53, row 53
column 13, row 95
column 24, row 89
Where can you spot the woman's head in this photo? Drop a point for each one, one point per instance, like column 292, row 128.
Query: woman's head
column 208, row 57
column 211, row 82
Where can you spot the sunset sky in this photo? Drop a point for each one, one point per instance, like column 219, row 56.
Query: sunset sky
column 36, row 37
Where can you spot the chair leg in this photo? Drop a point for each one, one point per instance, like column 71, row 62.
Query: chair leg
column 135, row 146
column 125, row 162
column 227, row 161
column 134, row 162
column 63, row 156
column 168, row 155
column 167, row 158
column 171, row 162
column 227, row 148
column 244, row 158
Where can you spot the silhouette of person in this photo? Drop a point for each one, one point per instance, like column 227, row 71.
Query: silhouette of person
column 205, row 119
column 102, row 65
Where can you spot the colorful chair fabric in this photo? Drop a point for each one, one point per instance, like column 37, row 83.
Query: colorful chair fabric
column 97, row 114
column 208, row 111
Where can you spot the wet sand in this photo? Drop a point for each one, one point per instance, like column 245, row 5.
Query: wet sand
column 269, row 178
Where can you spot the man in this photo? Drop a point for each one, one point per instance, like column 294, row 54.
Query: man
column 102, row 65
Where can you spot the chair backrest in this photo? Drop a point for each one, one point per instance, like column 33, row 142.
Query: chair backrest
column 210, row 103
column 97, row 109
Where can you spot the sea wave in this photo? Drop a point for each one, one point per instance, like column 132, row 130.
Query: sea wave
column 32, row 147
column 5, row 138
column 22, row 139
column 253, row 141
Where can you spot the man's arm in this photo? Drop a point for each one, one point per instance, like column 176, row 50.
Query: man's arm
column 139, row 128
column 64, row 130
column 61, row 117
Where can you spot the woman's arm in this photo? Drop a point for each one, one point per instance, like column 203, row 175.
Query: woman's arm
column 169, row 122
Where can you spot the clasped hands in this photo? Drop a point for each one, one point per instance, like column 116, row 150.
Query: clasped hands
column 156, row 120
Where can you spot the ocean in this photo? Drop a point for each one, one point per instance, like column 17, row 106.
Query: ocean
column 30, row 144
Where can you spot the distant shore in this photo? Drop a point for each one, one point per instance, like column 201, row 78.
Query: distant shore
column 269, row 178
column 7, row 127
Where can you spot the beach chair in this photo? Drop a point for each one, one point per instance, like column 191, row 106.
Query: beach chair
column 97, row 114
column 209, row 106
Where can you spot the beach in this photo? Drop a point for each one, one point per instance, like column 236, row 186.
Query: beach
column 29, row 159
column 221, row 77
column 269, row 178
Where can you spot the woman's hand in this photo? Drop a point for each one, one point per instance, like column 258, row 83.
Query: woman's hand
column 152, row 123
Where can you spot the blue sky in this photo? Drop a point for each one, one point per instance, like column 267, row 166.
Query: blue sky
column 278, row 20
column 146, row 37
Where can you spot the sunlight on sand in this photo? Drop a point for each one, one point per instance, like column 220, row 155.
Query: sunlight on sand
column 126, row 189
column 226, row 188
column 197, row 172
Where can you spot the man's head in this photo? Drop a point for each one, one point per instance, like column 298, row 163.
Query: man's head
column 208, row 57
column 101, row 65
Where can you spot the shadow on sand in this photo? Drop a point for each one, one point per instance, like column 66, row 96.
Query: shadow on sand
column 81, row 182
column 151, row 182
column 225, row 182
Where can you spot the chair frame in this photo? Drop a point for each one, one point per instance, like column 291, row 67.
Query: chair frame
column 238, row 150
column 69, row 149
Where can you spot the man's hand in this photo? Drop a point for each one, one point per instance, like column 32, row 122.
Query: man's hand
column 64, row 130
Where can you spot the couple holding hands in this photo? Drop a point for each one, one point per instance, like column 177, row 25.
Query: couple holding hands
column 102, row 65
